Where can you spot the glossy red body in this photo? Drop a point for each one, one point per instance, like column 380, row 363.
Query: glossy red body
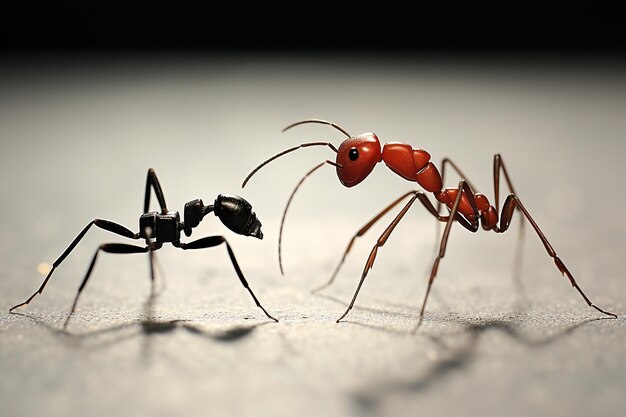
column 357, row 156
column 351, row 172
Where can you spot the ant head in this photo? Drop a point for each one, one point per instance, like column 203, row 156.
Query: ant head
column 356, row 158
column 236, row 214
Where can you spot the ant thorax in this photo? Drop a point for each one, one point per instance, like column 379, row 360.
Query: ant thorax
column 164, row 227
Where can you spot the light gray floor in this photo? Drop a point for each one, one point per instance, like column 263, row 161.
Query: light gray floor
column 78, row 137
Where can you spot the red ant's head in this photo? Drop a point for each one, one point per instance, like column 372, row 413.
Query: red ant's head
column 356, row 158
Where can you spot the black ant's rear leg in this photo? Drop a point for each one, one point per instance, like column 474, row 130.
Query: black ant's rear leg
column 211, row 241
column 103, row 224
column 120, row 248
column 508, row 208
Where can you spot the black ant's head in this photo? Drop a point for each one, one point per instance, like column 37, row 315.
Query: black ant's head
column 236, row 214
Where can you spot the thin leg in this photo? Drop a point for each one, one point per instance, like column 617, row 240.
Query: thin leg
column 109, row 248
column 498, row 166
column 103, row 224
column 153, row 181
column 379, row 243
column 463, row 188
column 425, row 202
column 447, row 161
column 511, row 202
column 444, row 163
column 151, row 258
column 211, row 241
column 360, row 233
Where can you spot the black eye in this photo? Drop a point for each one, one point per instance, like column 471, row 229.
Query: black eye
column 353, row 154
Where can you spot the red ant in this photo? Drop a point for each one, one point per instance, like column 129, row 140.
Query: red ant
column 356, row 158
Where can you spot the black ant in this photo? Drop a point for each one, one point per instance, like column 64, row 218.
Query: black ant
column 358, row 155
column 162, row 227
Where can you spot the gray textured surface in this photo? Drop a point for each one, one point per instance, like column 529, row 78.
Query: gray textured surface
column 77, row 140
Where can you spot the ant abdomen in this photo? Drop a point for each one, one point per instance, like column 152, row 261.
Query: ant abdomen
column 236, row 214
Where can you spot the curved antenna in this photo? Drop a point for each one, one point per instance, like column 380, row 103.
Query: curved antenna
column 320, row 121
column 282, row 221
column 278, row 155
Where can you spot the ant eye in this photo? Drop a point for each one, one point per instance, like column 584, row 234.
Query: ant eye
column 353, row 154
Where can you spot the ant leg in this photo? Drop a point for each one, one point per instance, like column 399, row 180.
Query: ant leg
column 464, row 188
column 511, row 202
column 211, row 241
column 379, row 243
column 109, row 248
column 103, row 224
column 448, row 161
column 151, row 258
column 360, row 233
column 153, row 181
column 423, row 199
column 385, row 235
column 498, row 166
column 454, row 166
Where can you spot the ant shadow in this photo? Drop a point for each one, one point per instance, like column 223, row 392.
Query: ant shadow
column 455, row 359
column 148, row 328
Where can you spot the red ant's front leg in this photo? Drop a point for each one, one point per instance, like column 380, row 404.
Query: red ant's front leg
column 387, row 232
column 379, row 243
column 423, row 199
column 360, row 233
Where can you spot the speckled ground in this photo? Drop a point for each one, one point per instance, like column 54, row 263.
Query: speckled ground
column 77, row 138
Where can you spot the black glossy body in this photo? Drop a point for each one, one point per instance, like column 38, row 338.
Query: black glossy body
column 157, row 228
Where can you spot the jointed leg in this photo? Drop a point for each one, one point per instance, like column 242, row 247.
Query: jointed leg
column 212, row 241
column 448, row 161
column 463, row 189
column 498, row 165
column 379, row 243
column 153, row 181
column 109, row 248
column 423, row 199
column 360, row 233
column 445, row 162
column 103, row 224
column 511, row 202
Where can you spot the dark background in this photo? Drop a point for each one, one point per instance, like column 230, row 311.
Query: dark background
column 163, row 25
